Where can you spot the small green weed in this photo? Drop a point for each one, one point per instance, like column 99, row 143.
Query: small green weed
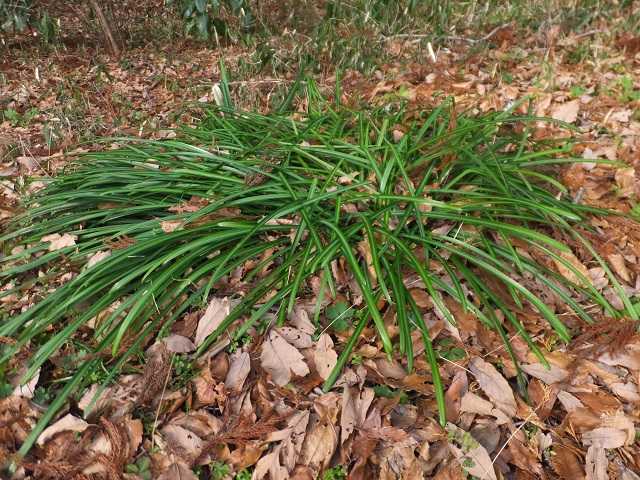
column 335, row 473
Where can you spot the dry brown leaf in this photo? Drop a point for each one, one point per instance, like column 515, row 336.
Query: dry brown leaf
column 322, row 437
column 169, row 226
column 217, row 310
column 58, row 241
column 605, row 437
column 472, row 456
column 596, row 463
column 494, row 385
column 566, row 463
column 619, row 266
column 569, row 274
column 270, row 464
column 239, row 368
column 178, row 471
column 324, row 356
column 295, row 337
column 626, row 182
column 553, row 374
column 68, row 423
column 98, row 257
column 355, row 405
column 178, row 344
column 280, row 359
column 207, row 390
column 182, row 442
column 26, row 390
column 566, row 112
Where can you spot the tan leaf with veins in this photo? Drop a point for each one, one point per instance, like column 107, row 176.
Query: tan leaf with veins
column 569, row 273
column 619, row 266
column 280, row 359
column 494, row 385
column 239, row 369
column 566, row 112
column 270, row 464
column 472, row 456
column 214, row 315
column 324, row 356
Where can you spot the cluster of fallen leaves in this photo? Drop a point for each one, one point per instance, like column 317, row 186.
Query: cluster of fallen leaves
column 258, row 405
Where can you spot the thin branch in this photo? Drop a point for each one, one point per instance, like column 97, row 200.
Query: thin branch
column 106, row 29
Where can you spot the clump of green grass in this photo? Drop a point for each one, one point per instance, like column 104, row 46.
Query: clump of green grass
column 472, row 195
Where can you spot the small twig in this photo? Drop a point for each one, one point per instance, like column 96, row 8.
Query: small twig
column 481, row 39
column 587, row 34
column 106, row 29
column 164, row 389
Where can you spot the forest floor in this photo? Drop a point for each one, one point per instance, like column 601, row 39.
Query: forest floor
column 223, row 418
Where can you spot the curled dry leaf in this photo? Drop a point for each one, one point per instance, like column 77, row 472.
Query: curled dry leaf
column 280, row 359
column 68, row 423
column 58, row 241
column 239, row 368
column 217, row 310
column 494, row 385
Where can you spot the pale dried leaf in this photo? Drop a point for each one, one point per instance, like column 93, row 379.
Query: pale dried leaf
column 280, row 359
column 28, row 389
column 217, row 310
column 553, row 374
column 605, row 437
column 324, row 356
column 98, row 257
column 472, row 403
column 178, row 471
column 178, row 344
column 239, row 368
column 566, row 112
column 270, row 464
column 355, row 405
column 295, row 337
column 569, row 402
column 472, row 456
column 494, row 385
column 567, row 272
column 626, row 181
column 182, row 442
column 58, row 241
column 68, row 423
column 169, row 226
column 596, row 463
column 619, row 266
